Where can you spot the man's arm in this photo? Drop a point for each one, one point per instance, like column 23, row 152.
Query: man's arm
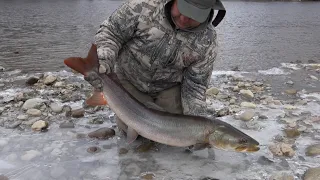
column 115, row 32
column 195, row 82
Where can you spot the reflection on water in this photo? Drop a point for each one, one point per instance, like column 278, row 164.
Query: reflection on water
column 37, row 35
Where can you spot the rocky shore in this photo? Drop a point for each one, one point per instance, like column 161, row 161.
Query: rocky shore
column 43, row 103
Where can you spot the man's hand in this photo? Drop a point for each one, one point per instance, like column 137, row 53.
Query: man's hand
column 94, row 79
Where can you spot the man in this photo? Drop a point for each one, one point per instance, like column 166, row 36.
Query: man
column 162, row 51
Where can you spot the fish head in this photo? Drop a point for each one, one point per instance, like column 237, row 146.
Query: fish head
column 226, row 137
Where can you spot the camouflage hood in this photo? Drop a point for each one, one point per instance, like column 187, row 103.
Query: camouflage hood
column 153, row 55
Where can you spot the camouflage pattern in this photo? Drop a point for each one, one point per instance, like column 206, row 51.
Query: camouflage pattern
column 140, row 41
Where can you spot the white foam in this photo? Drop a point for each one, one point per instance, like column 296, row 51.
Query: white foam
column 273, row 71
column 290, row 66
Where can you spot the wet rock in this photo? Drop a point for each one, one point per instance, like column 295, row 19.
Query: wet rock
column 145, row 147
column 102, row 133
column 282, row 149
column 222, row 96
column 312, row 174
column 40, row 125
column 97, row 120
column 31, row 121
column 264, row 161
column 147, row 176
column 290, row 82
column 292, row 133
column 247, row 115
column 34, row 112
column 55, row 107
column 258, row 83
column 246, row 93
column 248, row 105
column 277, row 102
column 302, row 102
column 8, row 99
column 50, row 79
column 34, row 103
column 3, row 177
column 282, row 175
column 77, row 113
column 314, row 77
column 14, row 124
column 212, row 91
column 291, row 91
column 67, row 125
column 241, row 84
column 123, row 151
column 81, row 136
column 232, row 101
column 263, row 117
column 236, row 89
column 93, row 149
column 290, row 107
column 59, row 84
column 29, row 155
column 32, row 80
column 313, row 150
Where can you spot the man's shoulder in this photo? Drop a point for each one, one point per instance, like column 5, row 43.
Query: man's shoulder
column 146, row 2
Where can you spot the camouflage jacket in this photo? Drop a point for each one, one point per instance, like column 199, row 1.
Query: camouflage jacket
column 153, row 55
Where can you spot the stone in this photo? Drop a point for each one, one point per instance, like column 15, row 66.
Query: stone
column 29, row 155
column 102, row 133
column 312, row 174
column 292, row 132
column 32, row 80
column 67, row 125
column 56, row 107
column 314, row 77
column 248, row 105
column 147, row 176
column 40, row 125
column 212, row 91
column 246, row 93
column 290, row 107
column 290, row 82
column 93, row 149
column 241, row 84
column 14, row 124
column 247, row 115
column 77, row 113
column 34, row 103
column 313, row 150
column 2, row 68
column 34, row 112
column 59, row 84
column 282, row 175
column 236, row 89
column 50, row 79
column 282, row 149
column 291, row 91
column 123, row 151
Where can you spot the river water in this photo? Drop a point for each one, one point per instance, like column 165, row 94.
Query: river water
column 37, row 35
column 272, row 42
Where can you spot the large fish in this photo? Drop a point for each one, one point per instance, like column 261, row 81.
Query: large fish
column 162, row 127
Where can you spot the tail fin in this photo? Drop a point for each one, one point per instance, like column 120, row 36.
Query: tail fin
column 84, row 65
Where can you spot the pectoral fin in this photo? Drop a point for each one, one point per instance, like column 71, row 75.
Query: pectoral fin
column 198, row 146
column 121, row 125
column 97, row 99
column 131, row 135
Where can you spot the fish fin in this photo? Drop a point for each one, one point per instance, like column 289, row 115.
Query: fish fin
column 198, row 146
column 154, row 106
column 131, row 135
column 121, row 125
column 84, row 65
column 97, row 99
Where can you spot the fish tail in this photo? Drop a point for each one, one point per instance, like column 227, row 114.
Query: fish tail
column 84, row 65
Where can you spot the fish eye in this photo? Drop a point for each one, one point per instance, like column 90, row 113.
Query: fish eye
column 243, row 141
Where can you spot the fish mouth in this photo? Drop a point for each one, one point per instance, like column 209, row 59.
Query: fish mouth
column 247, row 148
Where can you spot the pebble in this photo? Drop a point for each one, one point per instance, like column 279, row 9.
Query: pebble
column 248, row 105
column 67, row 125
column 32, row 80
column 282, row 175
column 123, row 151
column 56, row 107
column 290, row 82
column 14, row 124
column 282, row 149
column 34, row 103
column 292, row 133
column 236, row 89
column 312, row 174
column 313, row 150
column 246, row 93
column 50, row 79
column 102, row 133
column 93, row 149
column 39, row 125
column 77, row 113
column 291, row 91
column 290, row 107
column 314, row 77
column 96, row 121
column 34, row 112
column 147, row 176
column 247, row 115
column 59, row 84
column 212, row 91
